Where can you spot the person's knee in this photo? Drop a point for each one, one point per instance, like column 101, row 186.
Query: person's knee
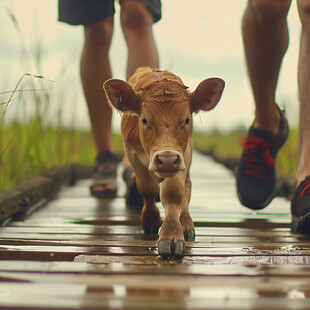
column 135, row 17
column 99, row 35
column 270, row 10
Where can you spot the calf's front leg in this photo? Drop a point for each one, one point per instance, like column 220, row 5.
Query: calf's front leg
column 185, row 218
column 171, row 238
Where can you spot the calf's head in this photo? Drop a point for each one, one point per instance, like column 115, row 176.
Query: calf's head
column 164, row 111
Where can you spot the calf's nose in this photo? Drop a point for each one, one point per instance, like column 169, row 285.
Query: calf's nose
column 167, row 162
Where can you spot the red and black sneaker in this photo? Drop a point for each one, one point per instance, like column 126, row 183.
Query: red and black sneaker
column 300, row 208
column 255, row 174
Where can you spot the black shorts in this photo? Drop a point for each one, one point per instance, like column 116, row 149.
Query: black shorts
column 87, row 12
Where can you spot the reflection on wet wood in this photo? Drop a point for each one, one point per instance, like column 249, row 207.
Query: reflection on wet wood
column 79, row 252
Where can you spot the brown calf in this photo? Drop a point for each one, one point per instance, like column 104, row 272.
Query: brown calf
column 157, row 132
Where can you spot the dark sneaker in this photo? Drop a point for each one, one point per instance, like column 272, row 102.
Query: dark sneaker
column 300, row 208
column 256, row 177
column 133, row 198
column 104, row 176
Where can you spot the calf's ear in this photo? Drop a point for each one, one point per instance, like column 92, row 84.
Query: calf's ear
column 121, row 96
column 207, row 94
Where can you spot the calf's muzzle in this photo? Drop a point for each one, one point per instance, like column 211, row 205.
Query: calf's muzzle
column 167, row 163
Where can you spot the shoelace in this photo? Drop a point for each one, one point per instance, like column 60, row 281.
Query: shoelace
column 304, row 191
column 257, row 148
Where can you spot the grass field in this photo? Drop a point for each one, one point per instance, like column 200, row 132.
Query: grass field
column 229, row 146
column 30, row 142
column 28, row 149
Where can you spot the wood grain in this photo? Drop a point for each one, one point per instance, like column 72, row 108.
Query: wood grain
column 78, row 252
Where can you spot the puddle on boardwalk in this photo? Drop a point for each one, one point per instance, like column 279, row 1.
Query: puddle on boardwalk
column 270, row 249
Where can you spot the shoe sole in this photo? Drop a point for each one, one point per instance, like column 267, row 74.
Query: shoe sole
column 257, row 207
column 106, row 194
column 301, row 224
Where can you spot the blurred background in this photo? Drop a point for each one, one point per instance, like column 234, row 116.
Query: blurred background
column 196, row 39
column 43, row 114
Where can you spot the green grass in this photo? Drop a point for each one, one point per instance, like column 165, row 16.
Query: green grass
column 29, row 145
column 223, row 145
column 28, row 149
column 229, row 146
column 30, row 141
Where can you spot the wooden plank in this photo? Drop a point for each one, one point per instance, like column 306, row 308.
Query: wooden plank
column 198, row 216
column 119, row 232
column 23, row 198
column 161, row 281
column 284, row 270
column 79, row 252
column 34, row 193
column 197, row 292
column 98, row 255
column 47, row 296
column 198, row 260
column 223, row 241
column 103, row 249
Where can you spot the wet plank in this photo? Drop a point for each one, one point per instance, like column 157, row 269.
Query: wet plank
column 201, row 241
column 78, row 252
column 117, row 297
column 166, row 268
column 188, row 260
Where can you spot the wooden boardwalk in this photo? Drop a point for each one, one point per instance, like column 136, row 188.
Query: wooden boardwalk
column 77, row 252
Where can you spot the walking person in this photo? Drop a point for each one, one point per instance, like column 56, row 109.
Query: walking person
column 266, row 39
column 97, row 17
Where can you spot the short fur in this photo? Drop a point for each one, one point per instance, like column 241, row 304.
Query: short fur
column 157, row 132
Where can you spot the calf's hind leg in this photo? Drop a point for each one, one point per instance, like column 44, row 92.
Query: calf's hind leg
column 149, row 189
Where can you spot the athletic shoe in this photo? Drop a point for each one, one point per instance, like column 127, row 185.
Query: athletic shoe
column 256, row 177
column 133, row 198
column 104, row 176
column 300, row 208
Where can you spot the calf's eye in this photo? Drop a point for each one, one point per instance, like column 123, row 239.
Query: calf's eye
column 187, row 121
column 144, row 121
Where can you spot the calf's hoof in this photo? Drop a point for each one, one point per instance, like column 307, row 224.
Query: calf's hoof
column 189, row 235
column 168, row 249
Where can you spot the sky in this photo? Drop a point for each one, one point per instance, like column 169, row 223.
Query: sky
column 194, row 41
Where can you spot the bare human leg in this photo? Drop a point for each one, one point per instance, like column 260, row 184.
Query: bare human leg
column 137, row 23
column 95, row 69
column 304, row 93
column 265, row 36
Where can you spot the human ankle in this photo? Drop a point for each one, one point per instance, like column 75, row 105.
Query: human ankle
column 268, row 120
